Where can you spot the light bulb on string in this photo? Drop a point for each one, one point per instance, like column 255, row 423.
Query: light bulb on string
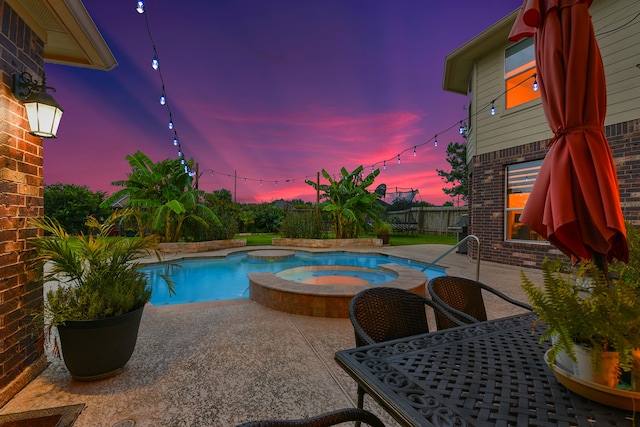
column 154, row 63
column 398, row 158
column 493, row 108
column 535, row 83
column 435, row 141
column 182, row 161
column 175, row 141
column 276, row 182
column 140, row 7
column 170, row 125
column 414, row 151
column 384, row 165
column 461, row 129
column 179, row 153
column 260, row 183
column 245, row 180
column 163, row 100
column 372, row 171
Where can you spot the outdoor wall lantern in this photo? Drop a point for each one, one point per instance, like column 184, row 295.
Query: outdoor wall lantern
column 43, row 111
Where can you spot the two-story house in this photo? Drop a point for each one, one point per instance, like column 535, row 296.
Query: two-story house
column 507, row 132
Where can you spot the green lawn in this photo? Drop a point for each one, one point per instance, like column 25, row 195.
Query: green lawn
column 396, row 239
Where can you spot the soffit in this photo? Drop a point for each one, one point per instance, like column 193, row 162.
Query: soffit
column 458, row 65
column 70, row 36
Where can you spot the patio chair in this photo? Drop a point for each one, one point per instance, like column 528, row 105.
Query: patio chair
column 324, row 420
column 384, row 313
column 462, row 298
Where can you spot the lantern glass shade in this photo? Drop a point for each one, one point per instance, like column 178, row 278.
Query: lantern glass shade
column 44, row 115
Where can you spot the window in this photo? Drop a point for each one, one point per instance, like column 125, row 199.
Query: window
column 519, row 66
column 520, row 180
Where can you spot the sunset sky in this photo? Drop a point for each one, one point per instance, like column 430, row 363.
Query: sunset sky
column 269, row 90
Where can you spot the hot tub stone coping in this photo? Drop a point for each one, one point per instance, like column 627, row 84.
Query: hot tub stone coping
column 408, row 278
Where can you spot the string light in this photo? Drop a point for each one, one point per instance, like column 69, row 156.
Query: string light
column 535, row 83
column 163, row 101
column 384, row 165
column 493, row 108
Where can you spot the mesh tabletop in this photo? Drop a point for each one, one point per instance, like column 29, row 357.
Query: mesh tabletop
column 485, row 374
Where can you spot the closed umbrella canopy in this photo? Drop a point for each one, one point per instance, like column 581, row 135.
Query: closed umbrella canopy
column 575, row 202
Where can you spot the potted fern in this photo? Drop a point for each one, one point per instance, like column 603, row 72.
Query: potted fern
column 97, row 303
column 587, row 310
column 382, row 230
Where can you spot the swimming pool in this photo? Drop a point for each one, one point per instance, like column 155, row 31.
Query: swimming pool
column 213, row 279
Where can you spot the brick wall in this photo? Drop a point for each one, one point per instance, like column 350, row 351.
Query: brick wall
column 21, row 197
column 487, row 195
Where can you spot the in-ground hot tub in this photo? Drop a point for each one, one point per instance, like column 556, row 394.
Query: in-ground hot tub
column 326, row 291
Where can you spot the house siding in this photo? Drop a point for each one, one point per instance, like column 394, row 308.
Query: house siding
column 487, row 198
column 21, row 197
column 520, row 134
column 527, row 123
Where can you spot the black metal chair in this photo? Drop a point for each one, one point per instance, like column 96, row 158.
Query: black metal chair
column 383, row 313
column 324, row 420
column 462, row 298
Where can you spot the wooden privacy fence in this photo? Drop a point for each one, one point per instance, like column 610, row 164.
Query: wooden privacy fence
column 431, row 220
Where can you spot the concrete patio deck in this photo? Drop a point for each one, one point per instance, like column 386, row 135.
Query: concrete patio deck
column 225, row 363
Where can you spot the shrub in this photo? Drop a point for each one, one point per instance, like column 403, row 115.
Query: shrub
column 301, row 225
column 195, row 231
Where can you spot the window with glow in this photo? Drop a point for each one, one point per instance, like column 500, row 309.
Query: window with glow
column 520, row 180
column 519, row 66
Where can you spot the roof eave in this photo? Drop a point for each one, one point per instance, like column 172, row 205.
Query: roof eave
column 458, row 65
column 70, row 36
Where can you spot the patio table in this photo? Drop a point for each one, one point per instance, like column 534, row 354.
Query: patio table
column 485, row 374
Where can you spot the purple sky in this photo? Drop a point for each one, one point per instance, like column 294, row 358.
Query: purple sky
column 269, row 90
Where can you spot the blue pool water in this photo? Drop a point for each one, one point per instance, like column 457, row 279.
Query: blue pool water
column 211, row 279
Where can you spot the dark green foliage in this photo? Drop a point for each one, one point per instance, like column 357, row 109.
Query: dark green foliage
column 268, row 218
column 459, row 173
column 224, row 229
column 71, row 204
column 302, row 225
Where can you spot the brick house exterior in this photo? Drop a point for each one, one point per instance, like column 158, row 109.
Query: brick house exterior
column 520, row 134
column 21, row 197
column 487, row 199
column 23, row 49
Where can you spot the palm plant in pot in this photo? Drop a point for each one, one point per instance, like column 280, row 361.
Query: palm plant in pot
column 97, row 303
column 588, row 310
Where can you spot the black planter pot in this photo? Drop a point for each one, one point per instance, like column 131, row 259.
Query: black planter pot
column 97, row 349
column 385, row 238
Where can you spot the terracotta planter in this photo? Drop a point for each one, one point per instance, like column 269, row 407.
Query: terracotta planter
column 97, row 349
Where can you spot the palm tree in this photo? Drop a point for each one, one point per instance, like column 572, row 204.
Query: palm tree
column 161, row 195
column 349, row 201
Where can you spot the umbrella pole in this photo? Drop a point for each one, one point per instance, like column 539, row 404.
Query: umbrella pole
column 600, row 260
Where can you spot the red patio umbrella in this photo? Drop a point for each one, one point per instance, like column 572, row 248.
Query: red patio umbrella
column 575, row 202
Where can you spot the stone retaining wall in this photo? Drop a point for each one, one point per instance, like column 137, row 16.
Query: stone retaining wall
column 194, row 247
column 327, row 243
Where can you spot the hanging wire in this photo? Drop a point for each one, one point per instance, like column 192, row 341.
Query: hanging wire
column 164, row 101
